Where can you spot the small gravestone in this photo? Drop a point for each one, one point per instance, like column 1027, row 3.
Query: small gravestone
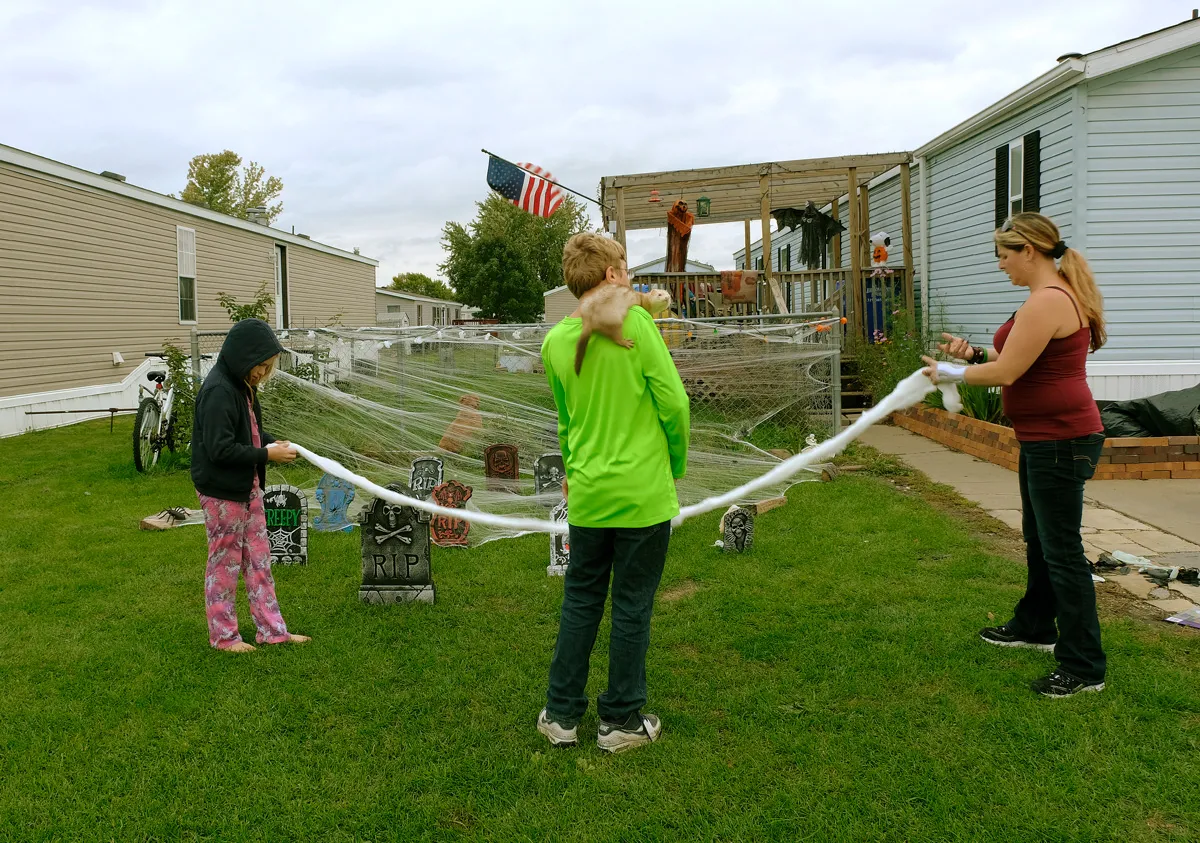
column 446, row 531
column 502, row 467
column 334, row 496
column 286, row 509
column 426, row 473
column 548, row 473
column 739, row 530
column 560, row 544
column 395, row 553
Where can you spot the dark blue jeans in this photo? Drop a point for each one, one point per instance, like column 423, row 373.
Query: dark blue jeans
column 634, row 557
column 1059, row 586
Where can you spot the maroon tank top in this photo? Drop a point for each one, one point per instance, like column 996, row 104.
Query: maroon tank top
column 1052, row 399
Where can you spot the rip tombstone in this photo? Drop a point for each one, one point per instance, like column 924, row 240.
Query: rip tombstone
column 560, row 544
column 286, row 509
column 425, row 475
column 395, row 553
column 502, row 468
column 738, row 529
column 446, row 531
column 548, row 473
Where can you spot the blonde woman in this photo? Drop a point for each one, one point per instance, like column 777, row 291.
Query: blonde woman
column 1039, row 361
column 230, row 451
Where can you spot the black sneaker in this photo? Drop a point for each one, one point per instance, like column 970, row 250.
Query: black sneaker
column 555, row 732
column 638, row 730
column 1059, row 684
column 1004, row 636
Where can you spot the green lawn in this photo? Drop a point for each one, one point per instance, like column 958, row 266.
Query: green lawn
column 827, row 686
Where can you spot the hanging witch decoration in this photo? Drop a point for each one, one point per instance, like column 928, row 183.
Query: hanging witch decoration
column 816, row 230
column 679, row 232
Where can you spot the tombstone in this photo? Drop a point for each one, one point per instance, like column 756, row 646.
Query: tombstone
column 502, row 467
column 445, row 530
column 395, row 553
column 426, row 473
column 334, row 496
column 739, row 529
column 286, row 509
column 560, row 544
column 548, row 473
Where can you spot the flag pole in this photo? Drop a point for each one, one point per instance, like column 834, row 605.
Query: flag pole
column 543, row 178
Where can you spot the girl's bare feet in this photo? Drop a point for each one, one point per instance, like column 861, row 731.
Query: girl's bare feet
column 298, row 639
column 240, row 647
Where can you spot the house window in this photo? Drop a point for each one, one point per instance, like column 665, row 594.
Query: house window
column 1018, row 177
column 185, row 251
column 758, row 263
column 395, row 308
column 420, row 319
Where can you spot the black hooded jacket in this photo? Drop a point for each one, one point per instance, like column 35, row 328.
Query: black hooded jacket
column 224, row 459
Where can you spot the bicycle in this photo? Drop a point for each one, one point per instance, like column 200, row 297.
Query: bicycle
column 154, row 425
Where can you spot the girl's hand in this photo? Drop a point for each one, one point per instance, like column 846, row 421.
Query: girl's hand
column 956, row 347
column 944, row 372
column 281, row 451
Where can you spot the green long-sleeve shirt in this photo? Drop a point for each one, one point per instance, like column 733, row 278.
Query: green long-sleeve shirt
column 622, row 424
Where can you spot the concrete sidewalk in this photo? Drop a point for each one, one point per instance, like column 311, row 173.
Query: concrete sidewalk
column 1157, row 519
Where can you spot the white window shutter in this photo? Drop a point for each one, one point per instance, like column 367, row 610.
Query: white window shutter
column 185, row 239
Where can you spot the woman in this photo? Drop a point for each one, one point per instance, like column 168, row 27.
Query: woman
column 230, row 451
column 1039, row 361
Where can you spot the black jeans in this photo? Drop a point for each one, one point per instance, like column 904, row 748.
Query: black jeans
column 1060, row 586
column 635, row 559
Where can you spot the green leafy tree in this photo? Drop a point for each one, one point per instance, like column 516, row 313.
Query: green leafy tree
column 421, row 284
column 215, row 182
column 259, row 308
column 511, row 249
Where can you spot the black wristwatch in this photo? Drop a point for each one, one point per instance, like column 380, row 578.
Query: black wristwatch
column 978, row 355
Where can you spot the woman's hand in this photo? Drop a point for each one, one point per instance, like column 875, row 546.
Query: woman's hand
column 956, row 347
column 280, row 451
column 944, row 372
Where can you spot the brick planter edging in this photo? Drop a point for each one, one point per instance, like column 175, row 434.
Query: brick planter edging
column 1156, row 458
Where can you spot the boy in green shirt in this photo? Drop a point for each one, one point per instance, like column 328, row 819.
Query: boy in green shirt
column 623, row 430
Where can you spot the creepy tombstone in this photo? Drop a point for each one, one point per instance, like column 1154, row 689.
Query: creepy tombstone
column 560, row 544
column 739, row 530
column 447, row 531
column 502, row 467
column 548, row 473
column 334, row 496
column 395, row 553
column 426, row 473
column 286, row 509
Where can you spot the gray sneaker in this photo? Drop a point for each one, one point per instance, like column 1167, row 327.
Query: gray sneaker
column 556, row 733
column 638, row 730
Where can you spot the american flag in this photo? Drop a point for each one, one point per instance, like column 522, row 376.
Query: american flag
column 530, row 191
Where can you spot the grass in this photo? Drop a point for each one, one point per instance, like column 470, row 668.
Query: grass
column 826, row 686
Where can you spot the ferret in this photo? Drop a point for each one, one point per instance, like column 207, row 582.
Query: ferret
column 604, row 312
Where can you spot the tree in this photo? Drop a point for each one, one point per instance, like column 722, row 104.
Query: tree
column 214, row 182
column 512, row 248
column 422, row 285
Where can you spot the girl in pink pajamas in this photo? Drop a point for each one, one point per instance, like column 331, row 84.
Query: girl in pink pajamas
column 230, row 451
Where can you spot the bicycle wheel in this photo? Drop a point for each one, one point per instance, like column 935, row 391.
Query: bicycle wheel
column 146, row 446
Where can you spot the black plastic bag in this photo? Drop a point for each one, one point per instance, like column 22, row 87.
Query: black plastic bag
column 1166, row 414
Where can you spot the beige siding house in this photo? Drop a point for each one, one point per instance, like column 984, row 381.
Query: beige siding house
column 95, row 273
column 559, row 302
column 398, row 309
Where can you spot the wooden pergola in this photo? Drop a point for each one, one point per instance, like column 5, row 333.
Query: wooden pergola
column 751, row 191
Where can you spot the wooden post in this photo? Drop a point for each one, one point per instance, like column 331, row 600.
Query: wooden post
column 855, row 283
column 835, row 245
column 621, row 216
column 864, row 224
column 906, row 233
column 764, row 187
column 746, row 263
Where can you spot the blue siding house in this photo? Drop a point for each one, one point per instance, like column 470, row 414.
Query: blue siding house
column 1106, row 144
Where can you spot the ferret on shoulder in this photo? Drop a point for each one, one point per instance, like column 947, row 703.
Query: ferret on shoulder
column 604, row 310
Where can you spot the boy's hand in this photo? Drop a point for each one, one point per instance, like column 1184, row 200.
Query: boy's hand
column 564, row 488
column 281, row 451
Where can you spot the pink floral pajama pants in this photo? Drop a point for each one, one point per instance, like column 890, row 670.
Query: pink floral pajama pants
column 237, row 541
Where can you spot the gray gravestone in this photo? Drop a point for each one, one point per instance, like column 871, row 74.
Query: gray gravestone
column 395, row 553
column 739, row 530
column 548, row 473
column 286, row 509
column 425, row 475
column 560, row 545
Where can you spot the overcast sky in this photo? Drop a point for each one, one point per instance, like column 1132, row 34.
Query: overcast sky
column 373, row 114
